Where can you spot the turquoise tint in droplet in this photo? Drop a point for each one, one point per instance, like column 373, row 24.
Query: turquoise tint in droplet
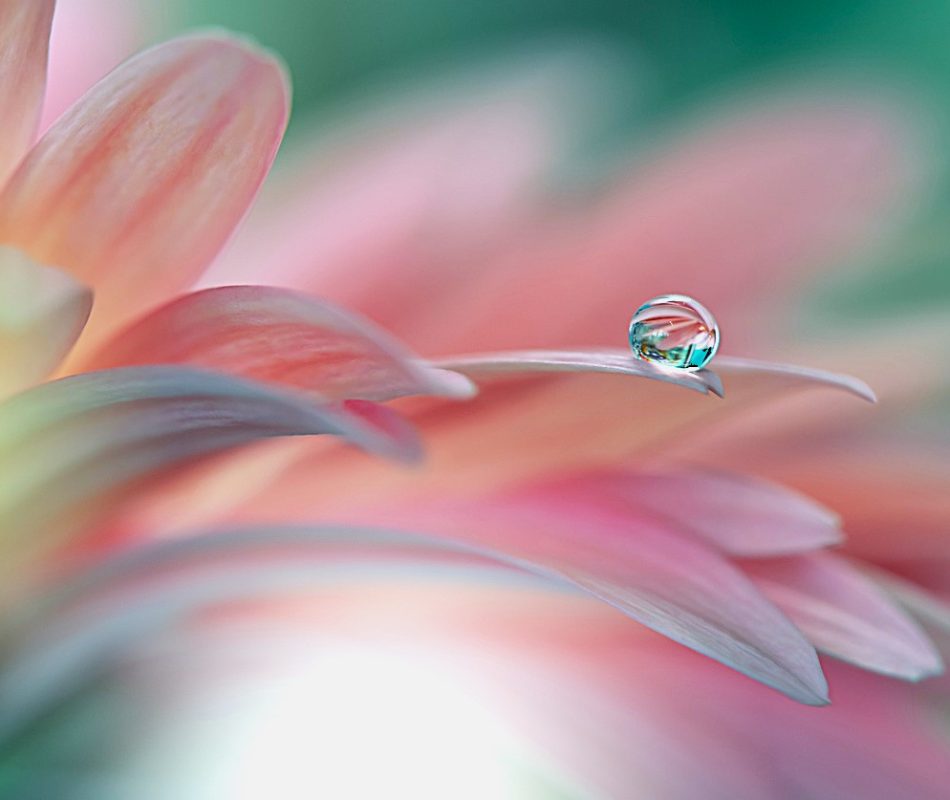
column 673, row 330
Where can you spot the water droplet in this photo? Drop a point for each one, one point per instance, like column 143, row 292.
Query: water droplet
column 673, row 330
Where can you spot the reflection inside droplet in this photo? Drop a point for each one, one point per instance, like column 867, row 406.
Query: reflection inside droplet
column 674, row 330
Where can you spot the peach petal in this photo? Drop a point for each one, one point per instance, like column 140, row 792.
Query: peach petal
column 24, row 43
column 278, row 336
column 844, row 614
column 138, row 185
column 42, row 312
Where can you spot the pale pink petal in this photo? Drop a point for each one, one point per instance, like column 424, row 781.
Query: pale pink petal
column 278, row 336
column 740, row 515
column 66, row 445
column 24, row 41
column 89, row 38
column 618, row 362
column 660, row 577
column 137, row 186
column 42, row 312
column 844, row 614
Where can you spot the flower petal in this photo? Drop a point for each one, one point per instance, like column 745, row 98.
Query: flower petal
column 617, row 362
column 654, row 573
column 137, row 186
column 65, row 444
column 772, row 377
column 42, row 312
column 24, row 42
column 739, row 515
column 89, row 38
column 845, row 615
column 278, row 336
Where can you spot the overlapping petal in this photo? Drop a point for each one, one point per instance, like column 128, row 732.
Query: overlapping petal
column 740, row 515
column 844, row 614
column 65, row 446
column 138, row 185
column 24, row 42
column 660, row 576
column 279, row 336
column 42, row 312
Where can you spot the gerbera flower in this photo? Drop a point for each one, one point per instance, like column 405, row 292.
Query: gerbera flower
column 544, row 525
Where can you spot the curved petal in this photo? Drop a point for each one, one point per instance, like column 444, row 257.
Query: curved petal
column 67, row 444
column 616, row 362
column 278, row 336
column 42, row 312
column 137, row 186
column 24, row 43
column 739, row 515
column 845, row 615
column 664, row 578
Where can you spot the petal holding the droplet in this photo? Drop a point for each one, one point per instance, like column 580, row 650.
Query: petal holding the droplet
column 279, row 336
column 42, row 312
column 138, row 185
column 24, row 43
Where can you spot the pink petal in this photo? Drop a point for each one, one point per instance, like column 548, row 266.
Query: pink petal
column 738, row 514
column 137, row 186
column 24, row 41
column 42, row 312
column 67, row 445
column 844, row 614
column 668, row 581
column 278, row 336
column 89, row 38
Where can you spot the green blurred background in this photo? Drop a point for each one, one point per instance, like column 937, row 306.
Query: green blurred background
column 685, row 51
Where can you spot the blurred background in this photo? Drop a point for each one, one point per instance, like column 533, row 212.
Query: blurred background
column 680, row 56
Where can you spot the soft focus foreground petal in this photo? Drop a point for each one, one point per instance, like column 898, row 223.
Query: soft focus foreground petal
column 376, row 212
column 24, row 42
column 738, row 514
column 75, row 627
column 278, row 336
column 658, row 575
column 844, row 614
column 138, row 185
column 42, row 312
column 65, row 446
column 89, row 38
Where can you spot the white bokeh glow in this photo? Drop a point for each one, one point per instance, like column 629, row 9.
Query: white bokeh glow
column 357, row 721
